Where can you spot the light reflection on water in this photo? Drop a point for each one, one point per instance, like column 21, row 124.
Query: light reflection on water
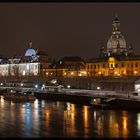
column 44, row 118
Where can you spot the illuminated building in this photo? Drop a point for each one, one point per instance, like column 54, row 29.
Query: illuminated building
column 67, row 67
column 117, row 59
column 32, row 64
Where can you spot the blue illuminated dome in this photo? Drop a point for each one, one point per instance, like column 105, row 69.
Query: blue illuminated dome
column 30, row 52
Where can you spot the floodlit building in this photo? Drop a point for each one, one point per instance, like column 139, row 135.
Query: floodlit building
column 32, row 64
column 116, row 59
column 71, row 66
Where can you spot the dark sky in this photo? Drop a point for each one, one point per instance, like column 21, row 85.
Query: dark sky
column 65, row 29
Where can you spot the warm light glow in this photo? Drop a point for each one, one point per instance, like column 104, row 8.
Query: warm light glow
column 2, row 102
column 23, row 72
column 124, row 123
column 116, row 72
column 68, row 86
column 99, row 72
column 72, row 73
column 21, row 84
column 65, row 73
column 47, row 73
column 135, row 72
column 86, row 115
column 1, row 84
column 82, row 73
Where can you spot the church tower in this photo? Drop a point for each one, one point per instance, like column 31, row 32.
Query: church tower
column 116, row 43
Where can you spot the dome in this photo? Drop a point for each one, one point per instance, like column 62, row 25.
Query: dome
column 114, row 41
column 30, row 52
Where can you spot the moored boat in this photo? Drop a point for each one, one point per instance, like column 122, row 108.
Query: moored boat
column 19, row 96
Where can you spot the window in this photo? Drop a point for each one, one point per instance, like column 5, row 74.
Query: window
column 91, row 66
column 131, row 65
column 136, row 64
column 128, row 65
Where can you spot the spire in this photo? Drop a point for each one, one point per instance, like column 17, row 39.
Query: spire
column 116, row 20
column 116, row 24
column 30, row 44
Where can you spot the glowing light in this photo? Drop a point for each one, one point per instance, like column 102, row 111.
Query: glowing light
column 21, row 84
column 137, row 87
column 72, row 73
column 1, row 84
column 27, row 67
column 98, row 88
column 47, row 73
column 83, row 73
column 65, row 73
column 135, row 72
column 99, row 72
column 54, row 81
column 36, row 86
column 23, row 72
column 68, row 86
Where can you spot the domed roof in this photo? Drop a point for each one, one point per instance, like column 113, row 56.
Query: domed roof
column 30, row 52
column 113, row 41
column 116, row 43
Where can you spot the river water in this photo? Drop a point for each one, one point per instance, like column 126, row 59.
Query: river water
column 45, row 118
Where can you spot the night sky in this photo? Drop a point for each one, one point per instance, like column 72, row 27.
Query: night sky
column 65, row 29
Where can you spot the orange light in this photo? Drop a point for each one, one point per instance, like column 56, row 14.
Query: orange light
column 135, row 72
column 99, row 72
column 72, row 73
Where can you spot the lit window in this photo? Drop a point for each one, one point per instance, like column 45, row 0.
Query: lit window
column 23, row 72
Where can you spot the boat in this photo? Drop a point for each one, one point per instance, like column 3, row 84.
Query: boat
column 19, row 95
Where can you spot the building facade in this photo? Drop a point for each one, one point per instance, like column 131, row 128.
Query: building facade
column 116, row 59
column 32, row 64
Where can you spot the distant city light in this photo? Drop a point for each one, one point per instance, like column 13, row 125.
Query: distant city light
column 68, row 86
column 21, row 84
column 98, row 88
column 1, row 84
column 36, row 86
column 54, row 81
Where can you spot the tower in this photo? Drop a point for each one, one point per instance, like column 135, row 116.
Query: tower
column 30, row 44
column 116, row 25
column 116, row 43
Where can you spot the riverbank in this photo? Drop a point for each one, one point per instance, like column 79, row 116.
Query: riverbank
column 95, row 98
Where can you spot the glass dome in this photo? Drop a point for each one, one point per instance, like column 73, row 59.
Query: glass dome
column 30, row 52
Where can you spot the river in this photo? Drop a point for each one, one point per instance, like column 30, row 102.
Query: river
column 45, row 118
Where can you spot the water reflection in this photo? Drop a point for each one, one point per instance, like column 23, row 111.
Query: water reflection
column 43, row 118
column 124, row 124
